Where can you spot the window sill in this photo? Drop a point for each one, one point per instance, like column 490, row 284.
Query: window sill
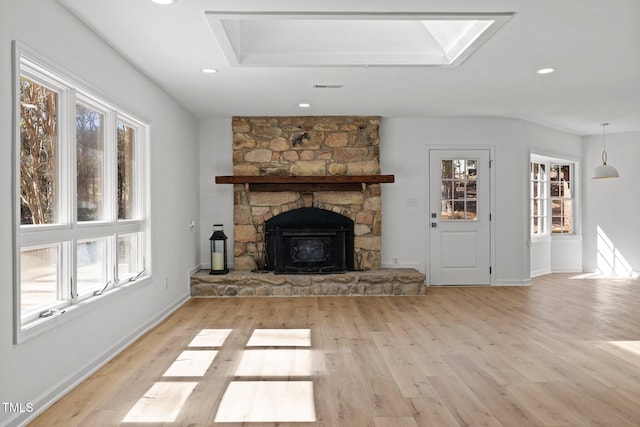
column 566, row 237
column 540, row 238
column 38, row 326
column 548, row 238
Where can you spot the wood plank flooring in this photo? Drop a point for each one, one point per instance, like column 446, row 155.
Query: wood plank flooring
column 562, row 352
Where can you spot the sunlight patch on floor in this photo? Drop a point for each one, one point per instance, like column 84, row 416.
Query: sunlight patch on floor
column 161, row 403
column 600, row 276
column 631, row 346
column 611, row 262
column 191, row 363
column 275, row 363
column 280, row 338
column 267, row 401
column 164, row 400
column 210, row 338
column 272, row 400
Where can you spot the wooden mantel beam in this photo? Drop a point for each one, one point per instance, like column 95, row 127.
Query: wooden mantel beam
column 306, row 183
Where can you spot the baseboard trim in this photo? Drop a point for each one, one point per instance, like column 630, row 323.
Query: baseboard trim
column 541, row 272
column 58, row 391
column 514, row 282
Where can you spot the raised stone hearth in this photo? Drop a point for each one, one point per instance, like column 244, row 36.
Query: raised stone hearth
column 392, row 281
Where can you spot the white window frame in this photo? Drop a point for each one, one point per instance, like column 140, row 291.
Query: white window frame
column 68, row 231
column 543, row 223
column 575, row 221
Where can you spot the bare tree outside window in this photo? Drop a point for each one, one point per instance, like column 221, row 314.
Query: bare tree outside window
column 126, row 190
column 90, row 160
column 38, row 153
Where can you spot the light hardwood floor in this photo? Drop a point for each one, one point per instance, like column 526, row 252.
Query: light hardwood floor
column 562, row 352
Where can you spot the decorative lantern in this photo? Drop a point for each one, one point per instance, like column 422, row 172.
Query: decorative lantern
column 218, row 250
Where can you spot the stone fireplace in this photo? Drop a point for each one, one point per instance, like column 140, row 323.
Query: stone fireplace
column 306, row 147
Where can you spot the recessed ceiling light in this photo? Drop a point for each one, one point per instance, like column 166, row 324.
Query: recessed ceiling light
column 164, row 2
column 545, row 70
column 209, row 70
column 304, row 105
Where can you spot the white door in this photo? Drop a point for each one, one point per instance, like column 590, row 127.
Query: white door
column 459, row 217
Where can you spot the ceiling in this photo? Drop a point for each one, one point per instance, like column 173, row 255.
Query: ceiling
column 594, row 45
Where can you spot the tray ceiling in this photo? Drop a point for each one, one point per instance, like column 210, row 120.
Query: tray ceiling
column 351, row 39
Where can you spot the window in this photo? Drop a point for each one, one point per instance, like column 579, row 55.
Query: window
column 81, row 192
column 561, row 178
column 551, row 196
column 538, row 204
column 38, row 152
column 459, row 189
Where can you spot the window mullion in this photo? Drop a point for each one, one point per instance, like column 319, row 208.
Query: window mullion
column 546, row 191
column 110, row 167
column 66, row 157
column 71, row 216
column 111, row 179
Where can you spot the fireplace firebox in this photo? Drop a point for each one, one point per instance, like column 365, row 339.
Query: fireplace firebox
column 309, row 240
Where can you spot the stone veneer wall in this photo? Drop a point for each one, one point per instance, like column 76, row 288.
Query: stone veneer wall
column 303, row 146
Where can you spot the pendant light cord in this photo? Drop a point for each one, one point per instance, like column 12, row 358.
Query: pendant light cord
column 604, row 143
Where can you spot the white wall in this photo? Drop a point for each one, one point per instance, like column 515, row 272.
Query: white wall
column 611, row 206
column 216, row 200
column 39, row 369
column 403, row 152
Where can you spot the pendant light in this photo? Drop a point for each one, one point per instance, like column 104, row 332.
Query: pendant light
column 604, row 170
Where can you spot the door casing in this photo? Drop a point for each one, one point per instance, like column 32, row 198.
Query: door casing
column 462, row 151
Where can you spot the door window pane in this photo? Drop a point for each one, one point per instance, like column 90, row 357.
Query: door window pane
column 447, row 209
column 459, row 189
column 447, row 169
column 471, row 189
column 90, row 160
column 91, row 266
column 447, row 190
column 38, row 153
column 471, row 210
column 458, row 210
column 39, row 278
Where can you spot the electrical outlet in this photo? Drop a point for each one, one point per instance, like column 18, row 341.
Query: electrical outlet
column 166, row 283
column 395, row 260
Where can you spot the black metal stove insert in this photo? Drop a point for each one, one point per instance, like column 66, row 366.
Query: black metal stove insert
column 309, row 240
